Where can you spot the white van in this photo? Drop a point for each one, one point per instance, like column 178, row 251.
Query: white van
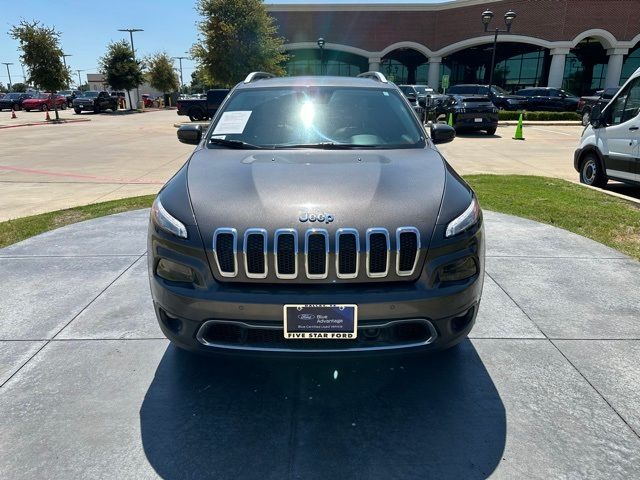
column 609, row 147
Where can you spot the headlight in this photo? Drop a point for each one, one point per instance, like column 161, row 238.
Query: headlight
column 468, row 218
column 165, row 221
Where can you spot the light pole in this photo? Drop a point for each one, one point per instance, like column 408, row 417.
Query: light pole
column 321, row 47
column 131, row 30
column 8, row 72
column 487, row 16
column 180, row 60
column 64, row 60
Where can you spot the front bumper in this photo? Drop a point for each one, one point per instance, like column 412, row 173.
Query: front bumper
column 402, row 316
column 83, row 106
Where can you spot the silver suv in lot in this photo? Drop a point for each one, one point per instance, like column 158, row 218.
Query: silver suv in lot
column 316, row 216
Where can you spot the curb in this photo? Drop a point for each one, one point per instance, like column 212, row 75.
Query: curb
column 532, row 123
column 50, row 122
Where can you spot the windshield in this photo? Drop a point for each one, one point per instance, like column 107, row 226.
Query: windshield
column 41, row 95
column 465, row 89
column 12, row 95
column 317, row 117
column 499, row 90
column 64, row 92
column 423, row 90
column 90, row 94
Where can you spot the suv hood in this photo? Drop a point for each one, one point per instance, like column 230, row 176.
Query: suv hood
column 359, row 188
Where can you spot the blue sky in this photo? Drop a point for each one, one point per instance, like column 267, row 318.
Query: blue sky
column 88, row 26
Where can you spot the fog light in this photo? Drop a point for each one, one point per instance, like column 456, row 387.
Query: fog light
column 174, row 272
column 458, row 270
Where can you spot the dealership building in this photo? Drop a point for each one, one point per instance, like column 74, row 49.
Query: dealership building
column 579, row 45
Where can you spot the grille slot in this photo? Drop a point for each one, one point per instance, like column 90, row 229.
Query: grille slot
column 316, row 245
column 408, row 245
column 377, row 252
column 255, row 253
column 286, row 253
column 347, row 253
column 224, row 248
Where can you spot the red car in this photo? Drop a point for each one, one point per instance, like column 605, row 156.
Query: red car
column 45, row 101
column 148, row 100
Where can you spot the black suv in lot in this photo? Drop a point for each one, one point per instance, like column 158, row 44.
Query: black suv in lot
column 95, row 101
column 547, row 99
column 13, row 100
column 471, row 112
column 316, row 216
column 499, row 96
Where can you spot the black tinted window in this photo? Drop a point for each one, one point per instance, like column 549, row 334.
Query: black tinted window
column 277, row 117
column 463, row 89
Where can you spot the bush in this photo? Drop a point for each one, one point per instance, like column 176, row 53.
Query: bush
column 538, row 116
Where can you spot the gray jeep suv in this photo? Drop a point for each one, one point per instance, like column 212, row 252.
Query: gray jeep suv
column 316, row 216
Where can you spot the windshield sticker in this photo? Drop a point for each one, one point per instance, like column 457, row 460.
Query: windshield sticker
column 232, row 122
column 386, row 94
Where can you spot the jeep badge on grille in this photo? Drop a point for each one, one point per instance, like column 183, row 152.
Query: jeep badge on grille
column 316, row 217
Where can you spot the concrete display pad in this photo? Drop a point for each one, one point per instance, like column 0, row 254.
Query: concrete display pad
column 546, row 387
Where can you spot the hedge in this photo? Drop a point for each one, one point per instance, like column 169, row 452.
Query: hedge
column 539, row 116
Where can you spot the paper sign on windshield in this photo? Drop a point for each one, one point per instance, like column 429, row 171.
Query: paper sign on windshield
column 232, row 122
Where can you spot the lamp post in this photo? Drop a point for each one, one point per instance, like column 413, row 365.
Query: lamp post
column 321, row 47
column 8, row 72
column 79, row 79
column 487, row 16
column 133, row 50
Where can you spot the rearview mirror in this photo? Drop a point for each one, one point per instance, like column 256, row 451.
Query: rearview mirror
column 441, row 133
column 596, row 115
column 191, row 134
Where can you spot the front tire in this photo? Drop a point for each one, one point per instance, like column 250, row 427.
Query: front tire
column 77, row 110
column 492, row 130
column 196, row 115
column 591, row 172
column 44, row 108
column 63, row 106
column 586, row 118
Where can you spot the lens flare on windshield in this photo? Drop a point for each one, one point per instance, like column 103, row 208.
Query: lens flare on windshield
column 307, row 113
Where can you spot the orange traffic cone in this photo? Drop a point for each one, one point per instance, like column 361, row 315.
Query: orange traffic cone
column 47, row 118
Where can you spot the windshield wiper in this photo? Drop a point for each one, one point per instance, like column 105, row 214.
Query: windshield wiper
column 326, row 145
column 233, row 143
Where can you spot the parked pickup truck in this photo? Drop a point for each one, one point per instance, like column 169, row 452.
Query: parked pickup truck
column 586, row 104
column 202, row 109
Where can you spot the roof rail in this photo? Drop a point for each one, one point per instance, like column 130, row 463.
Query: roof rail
column 377, row 76
column 254, row 76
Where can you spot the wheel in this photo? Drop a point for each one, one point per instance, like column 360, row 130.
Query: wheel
column 196, row 115
column 96, row 109
column 591, row 172
column 44, row 107
column 27, row 109
column 491, row 131
column 63, row 106
column 586, row 118
column 77, row 110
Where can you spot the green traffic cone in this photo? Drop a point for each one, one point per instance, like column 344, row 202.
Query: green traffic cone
column 518, row 135
column 450, row 121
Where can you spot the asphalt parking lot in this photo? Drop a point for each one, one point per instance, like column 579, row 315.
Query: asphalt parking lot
column 49, row 167
column 545, row 388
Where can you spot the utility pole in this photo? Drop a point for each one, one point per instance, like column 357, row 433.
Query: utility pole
column 8, row 72
column 64, row 60
column 24, row 77
column 180, row 60
column 131, row 30
column 79, row 79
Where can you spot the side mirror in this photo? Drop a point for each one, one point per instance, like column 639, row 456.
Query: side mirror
column 441, row 133
column 191, row 134
column 596, row 115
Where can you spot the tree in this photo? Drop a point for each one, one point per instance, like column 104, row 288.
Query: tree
column 160, row 73
column 237, row 37
column 199, row 82
column 42, row 55
column 2, row 88
column 120, row 68
column 83, row 87
column 19, row 87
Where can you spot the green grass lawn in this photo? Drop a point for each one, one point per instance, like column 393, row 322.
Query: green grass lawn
column 603, row 218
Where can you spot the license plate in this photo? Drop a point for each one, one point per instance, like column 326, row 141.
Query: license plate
column 477, row 120
column 330, row 322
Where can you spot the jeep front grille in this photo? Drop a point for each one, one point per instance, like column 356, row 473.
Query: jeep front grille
column 312, row 254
